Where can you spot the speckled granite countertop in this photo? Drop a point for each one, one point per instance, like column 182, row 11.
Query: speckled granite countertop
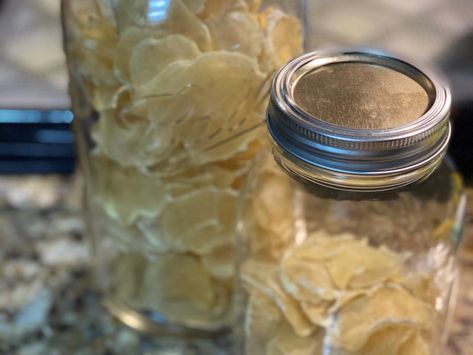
column 47, row 302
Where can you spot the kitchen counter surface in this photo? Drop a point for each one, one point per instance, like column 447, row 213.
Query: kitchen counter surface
column 47, row 302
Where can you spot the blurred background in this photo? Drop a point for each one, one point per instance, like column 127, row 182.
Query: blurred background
column 33, row 77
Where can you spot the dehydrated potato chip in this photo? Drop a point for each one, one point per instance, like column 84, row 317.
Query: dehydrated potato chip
column 172, row 17
column 165, row 17
column 226, row 144
column 170, row 109
column 196, row 6
column 216, row 83
column 361, row 317
column 95, row 56
column 284, row 33
column 120, row 236
column 181, row 20
column 129, row 38
column 200, row 221
column 142, row 143
column 237, row 31
column 287, row 342
column 307, row 280
column 262, row 320
column 106, row 9
column 254, row 5
column 220, row 263
column 151, row 55
column 126, row 283
column 415, row 345
column 210, row 84
column 317, row 310
column 168, row 280
column 199, row 177
column 387, row 341
column 323, row 266
column 109, row 97
column 359, row 266
column 273, row 188
column 262, row 277
column 126, row 193
column 421, row 286
column 132, row 13
column 215, row 9
column 271, row 230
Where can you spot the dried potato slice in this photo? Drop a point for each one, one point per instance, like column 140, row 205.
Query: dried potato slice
column 93, row 20
column 359, row 265
column 284, row 34
column 387, row 341
column 126, row 281
column 265, row 59
column 287, row 342
column 360, row 318
column 172, row 17
column 141, row 143
column 170, row 109
column 221, row 88
column 199, row 177
column 94, row 52
column 237, row 31
column 262, row 277
column 273, row 188
column 216, row 83
column 126, row 193
column 129, row 38
column 415, row 345
column 262, row 320
column 224, row 144
column 182, row 21
column 109, row 97
column 81, row 11
column 215, row 9
column 318, row 311
column 254, row 5
column 168, row 280
column 185, row 220
column 106, row 9
column 132, row 13
column 220, row 263
column 265, row 244
column 272, row 231
column 153, row 230
column 122, row 237
column 196, row 6
column 303, row 270
column 421, row 286
column 323, row 266
column 151, row 55
column 306, row 280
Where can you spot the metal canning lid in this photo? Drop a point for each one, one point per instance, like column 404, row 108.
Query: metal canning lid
column 358, row 119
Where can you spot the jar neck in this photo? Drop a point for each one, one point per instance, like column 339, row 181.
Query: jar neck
column 366, row 182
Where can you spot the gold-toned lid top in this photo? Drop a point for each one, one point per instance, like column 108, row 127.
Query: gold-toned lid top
column 361, row 95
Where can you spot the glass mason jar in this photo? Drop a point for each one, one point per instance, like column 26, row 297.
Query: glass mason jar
column 168, row 98
column 350, row 220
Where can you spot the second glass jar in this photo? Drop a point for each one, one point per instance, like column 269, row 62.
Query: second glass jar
column 351, row 218
column 168, row 97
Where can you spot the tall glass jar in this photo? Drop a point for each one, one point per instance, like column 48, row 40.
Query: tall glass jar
column 168, row 97
column 350, row 220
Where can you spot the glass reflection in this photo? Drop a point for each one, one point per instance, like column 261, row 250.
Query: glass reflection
column 157, row 10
